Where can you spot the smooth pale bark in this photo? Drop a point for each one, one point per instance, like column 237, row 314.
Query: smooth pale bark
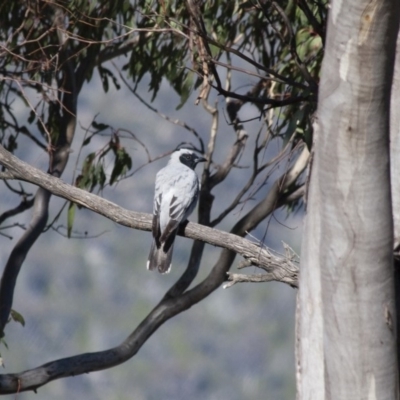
column 395, row 145
column 346, row 345
column 395, row 178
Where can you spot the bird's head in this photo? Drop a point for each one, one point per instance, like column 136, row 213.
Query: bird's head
column 187, row 157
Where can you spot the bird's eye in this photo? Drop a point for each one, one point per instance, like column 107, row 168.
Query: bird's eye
column 187, row 156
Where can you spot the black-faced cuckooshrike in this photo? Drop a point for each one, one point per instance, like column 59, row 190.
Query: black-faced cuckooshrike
column 175, row 197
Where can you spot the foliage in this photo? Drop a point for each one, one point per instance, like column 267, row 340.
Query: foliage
column 278, row 46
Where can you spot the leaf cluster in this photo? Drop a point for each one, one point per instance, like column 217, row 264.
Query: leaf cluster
column 93, row 172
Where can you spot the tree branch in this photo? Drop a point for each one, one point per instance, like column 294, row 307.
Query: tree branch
column 290, row 279
column 20, row 170
column 25, row 204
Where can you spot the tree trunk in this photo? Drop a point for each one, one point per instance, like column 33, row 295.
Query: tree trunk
column 346, row 345
column 395, row 145
column 395, row 178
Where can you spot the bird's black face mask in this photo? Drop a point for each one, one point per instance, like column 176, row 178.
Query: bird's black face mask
column 190, row 160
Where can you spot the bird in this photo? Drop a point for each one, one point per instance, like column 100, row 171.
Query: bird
column 176, row 192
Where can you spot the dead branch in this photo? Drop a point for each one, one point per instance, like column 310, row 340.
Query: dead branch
column 289, row 278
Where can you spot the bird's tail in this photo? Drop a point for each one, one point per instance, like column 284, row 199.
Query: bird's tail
column 160, row 258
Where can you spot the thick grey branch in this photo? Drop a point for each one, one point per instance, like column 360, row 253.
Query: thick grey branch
column 132, row 219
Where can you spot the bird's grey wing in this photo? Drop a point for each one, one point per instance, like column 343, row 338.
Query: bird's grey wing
column 162, row 247
column 175, row 214
column 186, row 193
column 156, row 230
column 179, row 210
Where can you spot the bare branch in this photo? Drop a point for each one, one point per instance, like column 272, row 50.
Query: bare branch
column 280, row 268
column 7, row 175
column 24, row 205
column 199, row 30
column 224, row 169
column 141, row 221
column 291, row 278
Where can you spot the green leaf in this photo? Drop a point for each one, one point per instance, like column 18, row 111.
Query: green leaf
column 100, row 126
column 12, row 143
column 101, row 176
column 17, row 317
column 104, row 78
column 32, row 116
column 186, row 89
column 70, row 218
column 116, row 172
column 87, row 164
column 87, row 140
column 123, row 163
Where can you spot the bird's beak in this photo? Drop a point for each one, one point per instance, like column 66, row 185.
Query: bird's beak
column 200, row 159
